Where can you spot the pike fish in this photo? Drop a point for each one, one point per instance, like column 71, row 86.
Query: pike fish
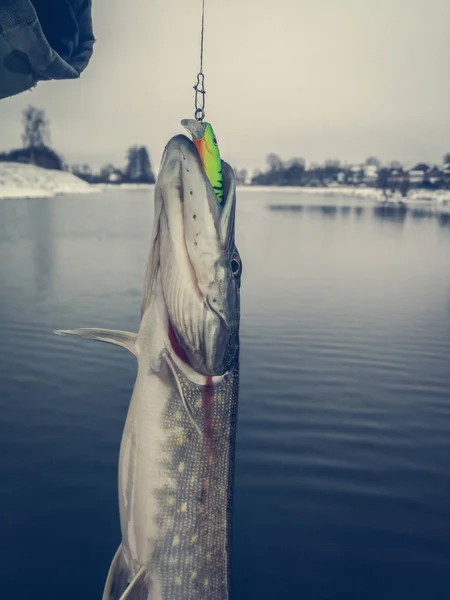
column 176, row 459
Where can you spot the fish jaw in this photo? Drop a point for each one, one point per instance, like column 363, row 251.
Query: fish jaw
column 193, row 257
column 195, row 128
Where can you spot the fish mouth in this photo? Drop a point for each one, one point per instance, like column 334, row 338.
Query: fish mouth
column 194, row 240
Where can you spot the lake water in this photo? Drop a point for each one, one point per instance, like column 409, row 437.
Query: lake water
column 343, row 449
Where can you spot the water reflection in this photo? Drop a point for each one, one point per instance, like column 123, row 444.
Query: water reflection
column 393, row 213
column 420, row 213
column 326, row 210
column 444, row 219
column 286, row 207
column 345, row 210
column 344, row 402
column 42, row 243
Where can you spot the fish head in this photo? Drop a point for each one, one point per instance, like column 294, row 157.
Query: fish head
column 197, row 260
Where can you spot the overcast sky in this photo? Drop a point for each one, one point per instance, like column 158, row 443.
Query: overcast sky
column 315, row 79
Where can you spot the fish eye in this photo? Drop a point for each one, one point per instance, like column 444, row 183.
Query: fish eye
column 215, row 140
column 236, row 266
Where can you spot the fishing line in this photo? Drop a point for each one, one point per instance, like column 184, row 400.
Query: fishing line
column 199, row 87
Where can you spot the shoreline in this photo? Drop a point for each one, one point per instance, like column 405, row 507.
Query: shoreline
column 415, row 196
column 18, row 180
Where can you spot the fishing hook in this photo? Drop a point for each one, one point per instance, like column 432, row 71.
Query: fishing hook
column 200, row 92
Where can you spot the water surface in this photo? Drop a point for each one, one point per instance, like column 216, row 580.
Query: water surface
column 343, row 449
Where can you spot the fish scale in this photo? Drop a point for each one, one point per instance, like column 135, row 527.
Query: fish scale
column 192, row 556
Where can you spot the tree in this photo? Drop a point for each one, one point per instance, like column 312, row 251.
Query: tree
column 241, row 176
column 383, row 181
column 36, row 140
column 42, row 156
column 274, row 162
column 106, row 171
column 372, row 161
column 84, row 172
column 395, row 164
column 404, row 185
column 36, row 128
column 332, row 163
column 360, row 176
column 332, row 169
column 295, row 171
column 146, row 167
column 257, row 177
column 446, row 159
column 139, row 169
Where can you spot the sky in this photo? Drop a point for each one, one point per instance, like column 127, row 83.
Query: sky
column 318, row 79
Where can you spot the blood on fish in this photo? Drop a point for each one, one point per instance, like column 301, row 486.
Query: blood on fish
column 208, row 393
column 179, row 351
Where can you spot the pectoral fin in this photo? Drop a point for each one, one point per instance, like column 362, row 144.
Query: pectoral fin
column 121, row 585
column 125, row 339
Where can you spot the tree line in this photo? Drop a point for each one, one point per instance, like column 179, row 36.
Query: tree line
column 138, row 169
column 390, row 178
column 36, row 150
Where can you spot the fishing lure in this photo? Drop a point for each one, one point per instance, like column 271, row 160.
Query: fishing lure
column 206, row 143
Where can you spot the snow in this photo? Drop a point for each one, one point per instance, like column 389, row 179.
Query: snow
column 19, row 180
column 101, row 187
column 414, row 196
column 356, row 192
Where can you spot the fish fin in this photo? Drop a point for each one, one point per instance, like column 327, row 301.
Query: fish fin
column 121, row 584
column 125, row 339
column 184, row 402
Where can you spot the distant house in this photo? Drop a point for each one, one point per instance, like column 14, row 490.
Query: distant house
column 417, row 173
column 370, row 174
column 341, row 177
column 109, row 174
column 396, row 172
column 396, row 176
column 435, row 176
column 115, row 177
column 356, row 174
column 446, row 175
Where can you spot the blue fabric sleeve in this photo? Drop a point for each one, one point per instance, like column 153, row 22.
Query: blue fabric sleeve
column 43, row 40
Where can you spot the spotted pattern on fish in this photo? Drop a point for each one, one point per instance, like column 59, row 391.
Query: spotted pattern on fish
column 191, row 557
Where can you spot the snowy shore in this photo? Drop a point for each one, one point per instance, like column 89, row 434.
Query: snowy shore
column 414, row 196
column 123, row 186
column 320, row 191
column 19, row 180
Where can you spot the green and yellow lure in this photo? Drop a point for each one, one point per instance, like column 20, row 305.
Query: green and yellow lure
column 206, row 143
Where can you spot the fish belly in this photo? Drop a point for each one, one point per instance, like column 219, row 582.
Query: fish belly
column 175, row 489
